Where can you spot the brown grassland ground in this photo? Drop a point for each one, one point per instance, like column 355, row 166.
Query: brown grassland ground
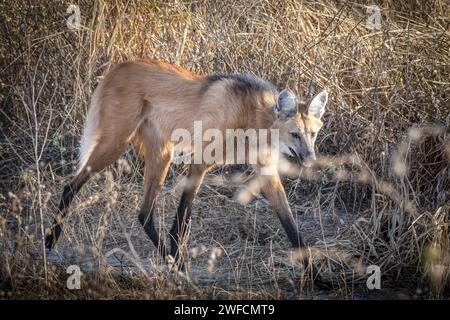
column 381, row 195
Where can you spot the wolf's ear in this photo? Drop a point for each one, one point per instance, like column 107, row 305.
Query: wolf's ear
column 286, row 104
column 317, row 106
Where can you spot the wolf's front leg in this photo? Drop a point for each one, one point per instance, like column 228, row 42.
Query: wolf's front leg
column 273, row 190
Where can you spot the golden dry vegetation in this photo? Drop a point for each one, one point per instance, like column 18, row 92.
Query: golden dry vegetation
column 380, row 194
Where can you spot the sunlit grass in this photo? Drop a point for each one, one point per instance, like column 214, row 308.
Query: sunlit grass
column 379, row 194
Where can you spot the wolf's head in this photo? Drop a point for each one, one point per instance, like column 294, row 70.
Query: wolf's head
column 298, row 125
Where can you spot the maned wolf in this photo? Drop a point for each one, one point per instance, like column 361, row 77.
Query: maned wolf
column 145, row 101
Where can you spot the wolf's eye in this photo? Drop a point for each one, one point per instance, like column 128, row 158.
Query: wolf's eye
column 295, row 135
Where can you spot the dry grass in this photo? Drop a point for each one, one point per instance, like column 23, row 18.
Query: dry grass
column 380, row 195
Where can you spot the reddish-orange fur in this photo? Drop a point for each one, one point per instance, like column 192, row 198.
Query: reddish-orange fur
column 144, row 102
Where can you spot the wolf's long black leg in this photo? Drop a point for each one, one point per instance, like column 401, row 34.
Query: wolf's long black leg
column 273, row 190
column 183, row 215
column 156, row 167
column 68, row 193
